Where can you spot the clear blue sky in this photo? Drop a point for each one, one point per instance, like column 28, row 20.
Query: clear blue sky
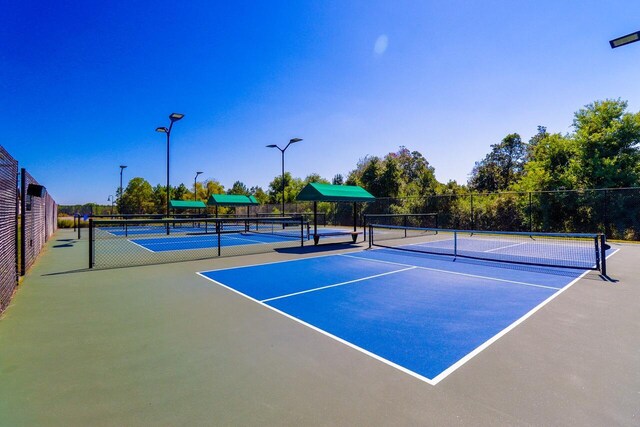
column 85, row 83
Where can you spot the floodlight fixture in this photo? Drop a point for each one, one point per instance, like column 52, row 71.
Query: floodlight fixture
column 282, row 150
column 195, row 188
column 174, row 117
column 625, row 40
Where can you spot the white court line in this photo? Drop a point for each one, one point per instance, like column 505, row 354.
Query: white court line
column 437, row 378
column 203, row 239
column 475, row 276
column 323, row 332
column 505, row 247
column 339, row 284
column 146, row 249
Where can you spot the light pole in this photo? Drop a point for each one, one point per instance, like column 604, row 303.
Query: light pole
column 174, row 117
column 282, row 150
column 195, row 189
column 111, row 199
column 122, row 167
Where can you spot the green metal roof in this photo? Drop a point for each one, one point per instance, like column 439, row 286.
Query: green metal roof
column 231, row 200
column 186, row 204
column 316, row 192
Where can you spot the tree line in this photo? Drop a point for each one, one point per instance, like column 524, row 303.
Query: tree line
column 601, row 151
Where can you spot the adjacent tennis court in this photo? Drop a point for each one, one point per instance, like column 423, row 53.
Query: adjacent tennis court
column 423, row 314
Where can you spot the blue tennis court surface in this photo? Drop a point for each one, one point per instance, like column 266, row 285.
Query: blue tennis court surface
column 425, row 315
column 193, row 238
column 207, row 241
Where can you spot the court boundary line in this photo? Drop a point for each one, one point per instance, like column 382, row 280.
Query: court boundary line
column 457, row 273
column 438, row 378
column 323, row 332
column 210, row 247
column 146, row 249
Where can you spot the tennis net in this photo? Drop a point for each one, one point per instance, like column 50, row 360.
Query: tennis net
column 562, row 250
column 120, row 243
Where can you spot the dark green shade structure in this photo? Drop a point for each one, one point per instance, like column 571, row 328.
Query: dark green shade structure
column 316, row 192
column 231, row 200
column 186, row 204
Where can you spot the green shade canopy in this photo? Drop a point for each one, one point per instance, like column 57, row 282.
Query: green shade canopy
column 316, row 192
column 231, row 200
column 186, row 204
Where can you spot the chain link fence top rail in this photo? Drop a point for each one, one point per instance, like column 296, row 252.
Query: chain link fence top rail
column 8, row 227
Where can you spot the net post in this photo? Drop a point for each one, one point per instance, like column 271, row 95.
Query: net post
column 301, row 231
column 404, row 222
column 79, row 235
column 603, row 254
column 370, row 236
column 218, row 233
column 91, row 249
column 364, row 227
column 455, row 243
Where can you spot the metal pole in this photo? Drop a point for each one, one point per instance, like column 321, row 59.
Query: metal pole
column 195, row 189
column 91, row 251
column 23, row 221
column 168, row 190
column 283, row 181
column 315, row 220
column 530, row 214
column 355, row 216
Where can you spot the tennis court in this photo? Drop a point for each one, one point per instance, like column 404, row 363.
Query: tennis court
column 425, row 314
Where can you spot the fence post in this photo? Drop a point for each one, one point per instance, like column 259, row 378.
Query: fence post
column 91, row 249
column 405, row 223
column 218, row 230
column 530, row 214
column 23, row 221
column 472, row 218
column 606, row 213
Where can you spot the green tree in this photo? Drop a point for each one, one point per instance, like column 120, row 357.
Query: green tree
column 390, row 178
column 502, row 167
column 608, row 141
column 181, row 192
column 337, row 180
column 292, row 188
column 212, row 186
column 370, row 177
column 315, row 177
column 238, row 187
column 137, row 197
column 259, row 194
column 552, row 164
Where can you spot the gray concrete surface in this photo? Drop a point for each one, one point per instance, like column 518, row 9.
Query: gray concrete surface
column 159, row 345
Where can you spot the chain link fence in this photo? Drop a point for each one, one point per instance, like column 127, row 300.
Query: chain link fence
column 130, row 242
column 28, row 217
column 614, row 212
column 8, row 227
